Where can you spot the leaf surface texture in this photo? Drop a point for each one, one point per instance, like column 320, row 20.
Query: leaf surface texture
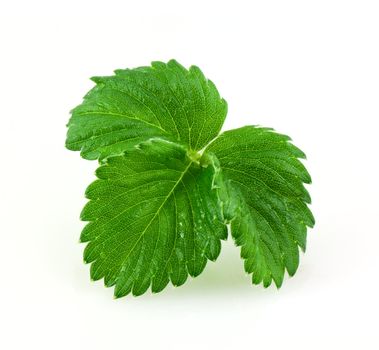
column 169, row 183
column 265, row 198
column 153, row 218
column 164, row 100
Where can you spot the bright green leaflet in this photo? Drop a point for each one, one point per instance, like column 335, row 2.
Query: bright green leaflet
column 168, row 184
column 153, row 219
column 266, row 199
column 164, row 100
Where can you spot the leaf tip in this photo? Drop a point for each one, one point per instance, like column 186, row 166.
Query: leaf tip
column 97, row 79
column 278, row 283
column 117, row 295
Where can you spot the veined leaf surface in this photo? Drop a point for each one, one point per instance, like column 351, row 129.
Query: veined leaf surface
column 164, row 100
column 265, row 198
column 168, row 184
column 154, row 217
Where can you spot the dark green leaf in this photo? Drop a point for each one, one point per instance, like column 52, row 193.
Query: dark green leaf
column 164, row 100
column 266, row 199
column 161, row 203
column 154, row 217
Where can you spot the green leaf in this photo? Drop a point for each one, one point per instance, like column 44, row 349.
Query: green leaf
column 169, row 184
column 153, row 217
column 164, row 100
column 265, row 199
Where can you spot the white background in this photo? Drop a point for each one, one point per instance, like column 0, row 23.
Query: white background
column 309, row 69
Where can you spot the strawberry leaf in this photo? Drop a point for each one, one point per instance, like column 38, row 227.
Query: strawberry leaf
column 168, row 184
column 265, row 199
column 164, row 100
column 154, row 217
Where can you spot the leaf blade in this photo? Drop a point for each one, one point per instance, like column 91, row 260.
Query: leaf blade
column 164, row 100
column 264, row 184
column 163, row 225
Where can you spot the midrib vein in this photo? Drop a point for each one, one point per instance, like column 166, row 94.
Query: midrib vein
column 159, row 209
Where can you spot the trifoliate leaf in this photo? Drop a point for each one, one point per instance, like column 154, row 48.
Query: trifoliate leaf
column 161, row 203
column 265, row 198
column 154, row 217
column 164, row 100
